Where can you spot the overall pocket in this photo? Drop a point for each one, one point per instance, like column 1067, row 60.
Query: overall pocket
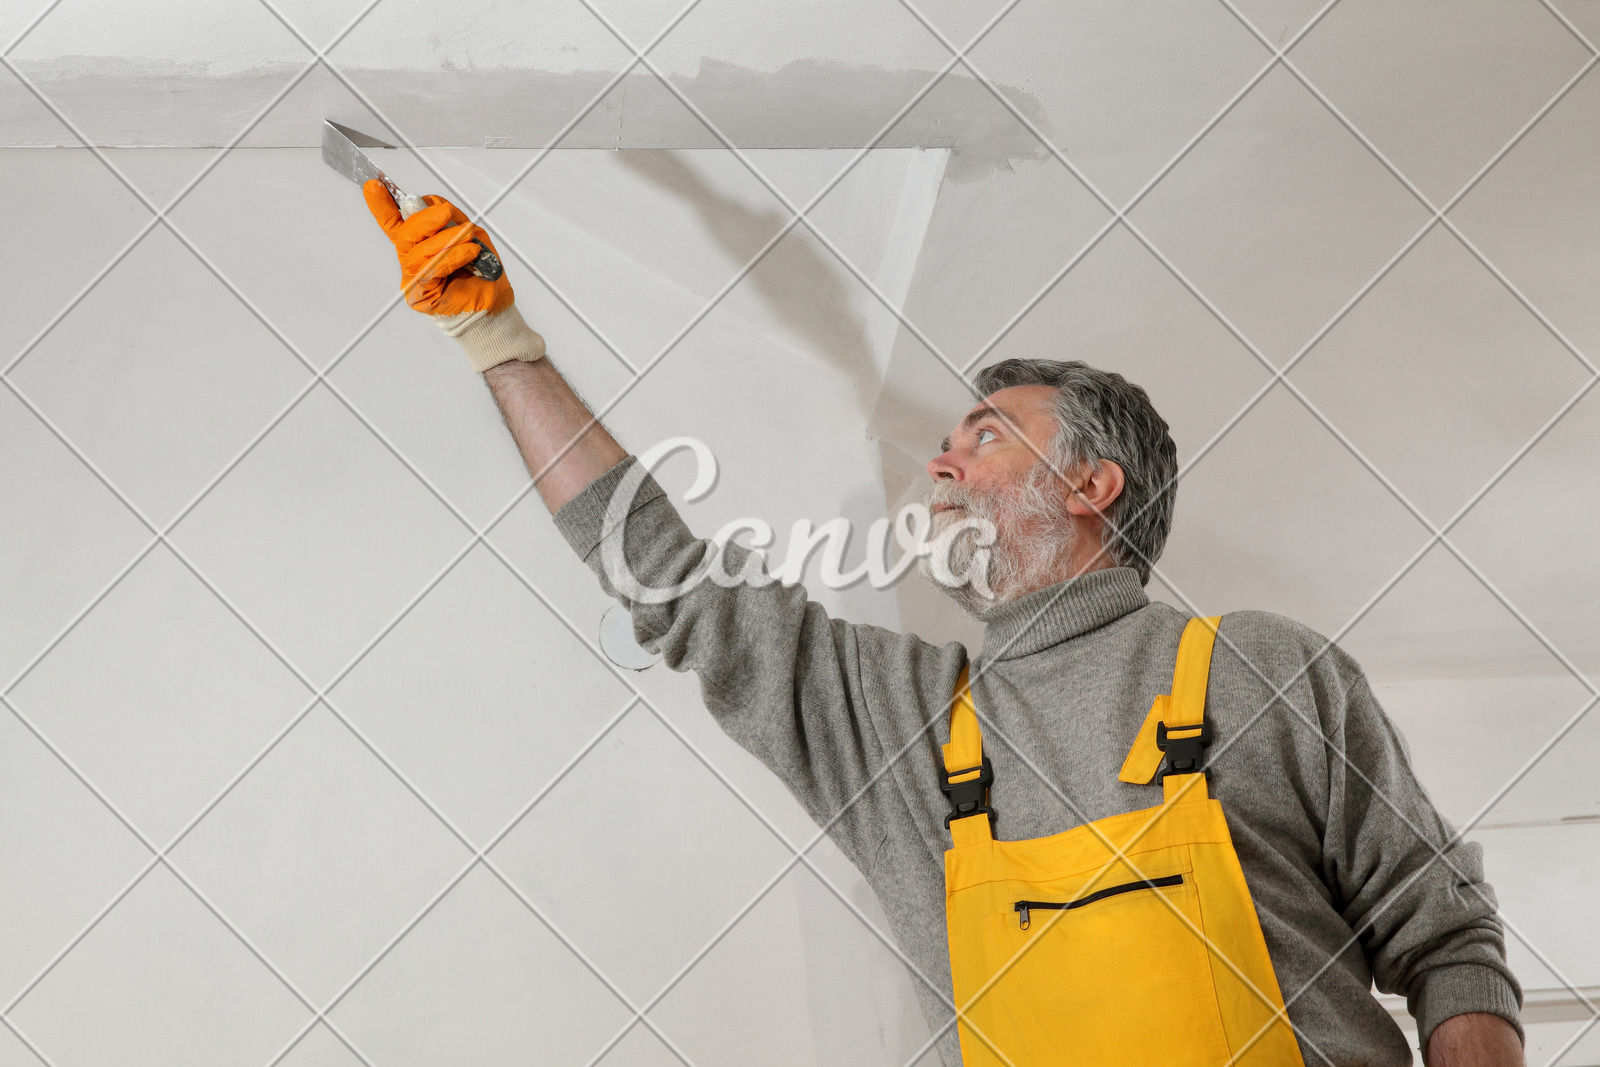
column 1026, row 908
column 1114, row 977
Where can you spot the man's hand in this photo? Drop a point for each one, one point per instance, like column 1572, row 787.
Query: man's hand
column 434, row 255
column 1476, row 1039
column 564, row 447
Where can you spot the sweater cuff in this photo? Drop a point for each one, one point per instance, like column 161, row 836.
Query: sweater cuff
column 582, row 518
column 1458, row 988
column 490, row 340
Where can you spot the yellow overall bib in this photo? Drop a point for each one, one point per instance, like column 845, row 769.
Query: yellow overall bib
column 1131, row 940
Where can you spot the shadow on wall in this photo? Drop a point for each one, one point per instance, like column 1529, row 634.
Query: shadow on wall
column 799, row 281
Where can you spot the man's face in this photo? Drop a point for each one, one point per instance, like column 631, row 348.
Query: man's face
column 986, row 453
column 990, row 472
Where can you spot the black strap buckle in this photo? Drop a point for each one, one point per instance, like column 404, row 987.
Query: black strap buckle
column 1185, row 748
column 969, row 797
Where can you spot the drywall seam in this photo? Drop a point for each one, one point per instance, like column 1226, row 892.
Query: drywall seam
column 907, row 234
column 814, row 103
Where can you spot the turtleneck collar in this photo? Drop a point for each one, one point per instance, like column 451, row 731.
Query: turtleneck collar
column 1060, row 612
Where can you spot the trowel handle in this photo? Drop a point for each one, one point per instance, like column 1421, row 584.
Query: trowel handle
column 486, row 266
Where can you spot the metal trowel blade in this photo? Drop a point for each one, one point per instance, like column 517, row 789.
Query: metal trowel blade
column 341, row 150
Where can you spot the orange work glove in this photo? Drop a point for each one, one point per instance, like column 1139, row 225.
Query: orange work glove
column 433, row 272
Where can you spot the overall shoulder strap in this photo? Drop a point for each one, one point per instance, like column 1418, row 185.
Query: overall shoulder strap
column 967, row 772
column 1191, row 673
column 1176, row 724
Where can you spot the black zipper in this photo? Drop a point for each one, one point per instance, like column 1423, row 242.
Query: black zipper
column 1023, row 907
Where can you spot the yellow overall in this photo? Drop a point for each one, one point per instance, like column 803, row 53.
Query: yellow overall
column 1130, row 940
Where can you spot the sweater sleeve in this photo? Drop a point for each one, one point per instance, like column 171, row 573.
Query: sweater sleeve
column 781, row 677
column 1426, row 921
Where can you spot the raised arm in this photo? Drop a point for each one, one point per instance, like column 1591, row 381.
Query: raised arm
column 783, row 678
column 563, row 445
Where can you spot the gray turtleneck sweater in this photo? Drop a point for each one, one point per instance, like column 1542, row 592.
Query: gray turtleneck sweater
column 1067, row 673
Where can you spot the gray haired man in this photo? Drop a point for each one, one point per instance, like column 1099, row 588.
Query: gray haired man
column 1075, row 473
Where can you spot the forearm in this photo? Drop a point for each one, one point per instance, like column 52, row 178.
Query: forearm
column 1476, row 1039
column 563, row 445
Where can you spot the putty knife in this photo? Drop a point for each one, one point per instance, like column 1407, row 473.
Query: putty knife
column 341, row 150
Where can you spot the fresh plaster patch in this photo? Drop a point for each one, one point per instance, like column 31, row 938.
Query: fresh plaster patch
column 805, row 104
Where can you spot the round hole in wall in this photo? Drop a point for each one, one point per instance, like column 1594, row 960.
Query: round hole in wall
column 616, row 641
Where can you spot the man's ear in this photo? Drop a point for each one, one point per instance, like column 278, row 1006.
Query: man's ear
column 1098, row 488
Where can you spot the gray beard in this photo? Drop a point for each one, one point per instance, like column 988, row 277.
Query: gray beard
column 1032, row 547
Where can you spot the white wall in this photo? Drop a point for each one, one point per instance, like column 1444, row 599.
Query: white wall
column 320, row 537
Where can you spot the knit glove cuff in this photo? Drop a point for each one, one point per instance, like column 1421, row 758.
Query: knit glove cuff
column 490, row 340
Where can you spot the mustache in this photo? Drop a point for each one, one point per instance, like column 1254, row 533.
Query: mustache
column 954, row 493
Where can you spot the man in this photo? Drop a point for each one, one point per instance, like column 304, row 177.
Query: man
column 1075, row 471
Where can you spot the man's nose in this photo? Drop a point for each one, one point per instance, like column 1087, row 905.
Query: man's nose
column 944, row 466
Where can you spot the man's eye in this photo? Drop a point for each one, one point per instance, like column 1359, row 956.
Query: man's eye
column 991, row 433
